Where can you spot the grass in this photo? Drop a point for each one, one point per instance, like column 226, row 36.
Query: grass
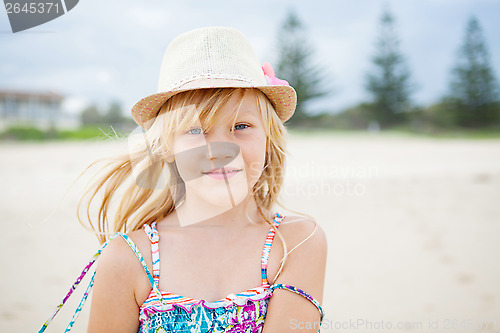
column 459, row 133
column 85, row 133
column 28, row 133
column 453, row 133
column 24, row 133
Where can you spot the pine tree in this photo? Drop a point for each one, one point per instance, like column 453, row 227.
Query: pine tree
column 474, row 92
column 296, row 65
column 114, row 115
column 389, row 81
column 91, row 116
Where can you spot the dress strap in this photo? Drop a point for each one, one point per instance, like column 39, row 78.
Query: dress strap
column 139, row 256
column 154, row 237
column 91, row 283
column 301, row 293
column 73, row 288
column 267, row 248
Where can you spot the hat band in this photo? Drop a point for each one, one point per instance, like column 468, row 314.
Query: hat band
column 207, row 79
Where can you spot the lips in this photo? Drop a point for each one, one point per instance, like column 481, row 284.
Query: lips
column 221, row 171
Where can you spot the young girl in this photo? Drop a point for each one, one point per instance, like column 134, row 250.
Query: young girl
column 200, row 255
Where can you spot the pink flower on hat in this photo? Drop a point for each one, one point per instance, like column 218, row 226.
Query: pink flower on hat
column 271, row 77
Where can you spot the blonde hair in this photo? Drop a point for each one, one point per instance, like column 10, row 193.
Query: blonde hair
column 140, row 201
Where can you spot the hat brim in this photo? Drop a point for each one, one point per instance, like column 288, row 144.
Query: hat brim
column 283, row 98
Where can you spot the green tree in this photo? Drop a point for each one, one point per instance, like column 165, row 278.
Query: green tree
column 91, row 116
column 114, row 116
column 296, row 65
column 473, row 97
column 388, row 82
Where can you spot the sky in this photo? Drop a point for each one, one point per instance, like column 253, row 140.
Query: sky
column 103, row 51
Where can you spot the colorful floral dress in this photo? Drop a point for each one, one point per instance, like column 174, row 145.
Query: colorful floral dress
column 164, row 311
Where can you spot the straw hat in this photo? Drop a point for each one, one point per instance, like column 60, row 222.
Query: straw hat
column 214, row 57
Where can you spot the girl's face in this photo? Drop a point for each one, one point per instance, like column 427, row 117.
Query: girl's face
column 220, row 167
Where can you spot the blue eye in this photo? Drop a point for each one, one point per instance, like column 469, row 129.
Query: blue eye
column 195, row 131
column 239, row 126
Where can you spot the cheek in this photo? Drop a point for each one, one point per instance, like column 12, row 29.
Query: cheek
column 184, row 144
column 255, row 156
column 188, row 158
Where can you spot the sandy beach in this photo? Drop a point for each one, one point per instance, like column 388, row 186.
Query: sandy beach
column 413, row 226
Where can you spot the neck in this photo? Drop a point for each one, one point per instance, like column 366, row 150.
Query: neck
column 204, row 214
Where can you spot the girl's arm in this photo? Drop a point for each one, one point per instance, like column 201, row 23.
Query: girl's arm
column 304, row 269
column 114, row 307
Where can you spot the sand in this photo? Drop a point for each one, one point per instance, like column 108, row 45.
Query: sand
column 413, row 226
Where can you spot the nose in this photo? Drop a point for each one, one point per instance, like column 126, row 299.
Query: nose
column 221, row 153
column 220, row 145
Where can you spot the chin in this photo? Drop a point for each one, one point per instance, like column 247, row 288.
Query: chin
column 226, row 200
column 219, row 194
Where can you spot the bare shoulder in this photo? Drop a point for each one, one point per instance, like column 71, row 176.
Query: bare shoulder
column 120, row 251
column 304, row 231
column 143, row 244
column 118, row 260
column 307, row 246
column 304, row 268
column 115, row 304
column 119, row 254
column 119, row 265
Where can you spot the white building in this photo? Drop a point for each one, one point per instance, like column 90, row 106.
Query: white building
column 39, row 109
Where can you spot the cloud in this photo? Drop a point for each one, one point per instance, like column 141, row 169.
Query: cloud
column 74, row 104
column 116, row 51
column 149, row 18
column 103, row 76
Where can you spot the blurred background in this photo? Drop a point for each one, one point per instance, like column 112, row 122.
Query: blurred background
column 394, row 146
